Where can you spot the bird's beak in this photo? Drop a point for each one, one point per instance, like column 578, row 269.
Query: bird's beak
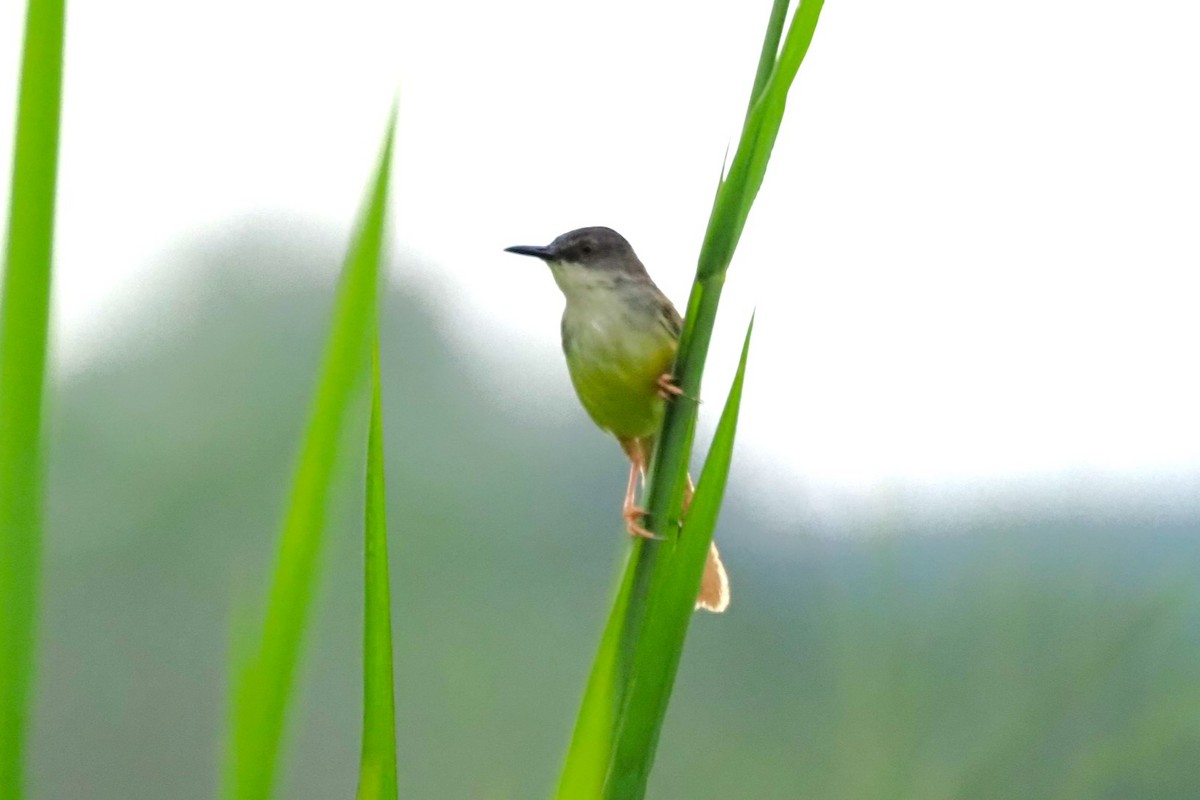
column 530, row 250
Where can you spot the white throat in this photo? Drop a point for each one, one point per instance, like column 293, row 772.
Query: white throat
column 580, row 284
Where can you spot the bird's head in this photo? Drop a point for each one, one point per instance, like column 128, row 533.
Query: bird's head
column 586, row 255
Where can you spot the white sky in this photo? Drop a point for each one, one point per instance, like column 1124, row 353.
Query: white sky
column 975, row 255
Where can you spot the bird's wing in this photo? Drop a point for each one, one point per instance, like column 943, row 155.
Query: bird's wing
column 670, row 318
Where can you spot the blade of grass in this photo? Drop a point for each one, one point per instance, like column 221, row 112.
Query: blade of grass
column 769, row 52
column 264, row 684
column 668, row 477
column 24, row 319
column 624, row 657
column 671, row 606
column 591, row 742
column 377, row 771
column 761, row 128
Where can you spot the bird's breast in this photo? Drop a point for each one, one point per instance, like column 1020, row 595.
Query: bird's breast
column 616, row 348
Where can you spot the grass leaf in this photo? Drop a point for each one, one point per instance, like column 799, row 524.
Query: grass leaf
column 770, row 51
column 615, row 734
column 24, row 319
column 661, row 644
column 763, row 120
column 590, row 752
column 264, row 684
column 731, row 207
column 377, row 771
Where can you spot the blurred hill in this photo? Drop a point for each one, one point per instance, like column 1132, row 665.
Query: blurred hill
column 1008, row 656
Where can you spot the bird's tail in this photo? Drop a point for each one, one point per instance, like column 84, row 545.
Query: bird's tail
column 714, row 585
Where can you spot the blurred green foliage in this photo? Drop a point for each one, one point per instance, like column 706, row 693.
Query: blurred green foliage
column 377, row 770
column 1014, row 657
column 266, row 672
column 28, row 244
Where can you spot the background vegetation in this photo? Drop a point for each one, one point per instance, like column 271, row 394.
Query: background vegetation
column 995, row 651
column 968, row 648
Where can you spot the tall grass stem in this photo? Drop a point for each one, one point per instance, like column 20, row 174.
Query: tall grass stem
column 264, row 684
column 24, row 323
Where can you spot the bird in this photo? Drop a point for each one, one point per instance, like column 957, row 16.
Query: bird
column 619, row 335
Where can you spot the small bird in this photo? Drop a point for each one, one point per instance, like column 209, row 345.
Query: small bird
column 620, row 334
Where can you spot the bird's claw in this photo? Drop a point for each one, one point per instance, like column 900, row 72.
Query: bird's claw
column 668, row 389
column 632, row 515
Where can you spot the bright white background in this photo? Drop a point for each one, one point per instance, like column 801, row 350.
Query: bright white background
column 975, row 256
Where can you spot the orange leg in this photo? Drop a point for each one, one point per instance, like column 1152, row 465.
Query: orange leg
column 630, row 510
column 633, row 512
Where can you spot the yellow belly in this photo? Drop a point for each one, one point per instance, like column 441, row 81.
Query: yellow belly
column 621, row 396
column 619, row 335
column 615, row 363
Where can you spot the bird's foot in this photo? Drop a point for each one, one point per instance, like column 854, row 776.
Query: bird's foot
column 668, row 389
column 632, row 516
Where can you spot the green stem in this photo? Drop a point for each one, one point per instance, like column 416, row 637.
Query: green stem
column 24, row 319
column 263, row 690
column 770, row 51
column 377, row 771
column 624, row 706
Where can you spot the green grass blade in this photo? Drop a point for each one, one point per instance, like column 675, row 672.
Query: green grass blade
column 665, row 629
column 377, row 771
column 264, row 686
column 613, row 729
column 749, row 166
column 770, row 51
column 24, row 319
column 730, row 210
column 588, row 758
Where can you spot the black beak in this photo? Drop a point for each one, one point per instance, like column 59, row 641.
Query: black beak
column 529, row 250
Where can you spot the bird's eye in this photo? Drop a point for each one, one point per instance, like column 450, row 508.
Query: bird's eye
column 586, row 249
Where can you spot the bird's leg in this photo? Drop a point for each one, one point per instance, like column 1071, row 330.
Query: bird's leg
column 630, row 510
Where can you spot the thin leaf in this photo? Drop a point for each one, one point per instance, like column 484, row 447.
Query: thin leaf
column 661, row 644
column 770, row 51
column 24, row 319
column 591, row 743
column 377, row 771
column 749, row 166
column 730, row 210
column 634, row 636
column 264, row 685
